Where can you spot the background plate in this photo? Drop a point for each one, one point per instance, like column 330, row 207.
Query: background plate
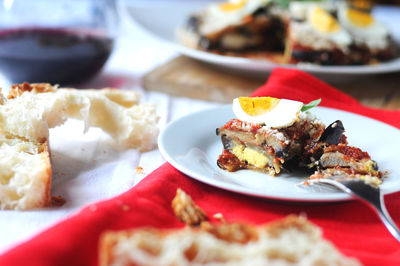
column 191, row 146
column 161, row 18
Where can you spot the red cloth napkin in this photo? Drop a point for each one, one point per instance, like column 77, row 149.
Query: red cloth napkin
column 351, row 226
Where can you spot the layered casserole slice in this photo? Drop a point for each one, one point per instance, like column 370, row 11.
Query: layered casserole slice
column 282, row 136
column 258, row 147
column 267, row 133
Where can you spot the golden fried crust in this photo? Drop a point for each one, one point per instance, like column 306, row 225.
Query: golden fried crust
column 186, row 210
column 19, row 89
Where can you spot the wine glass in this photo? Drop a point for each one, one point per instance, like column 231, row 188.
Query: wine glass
column 63, row 41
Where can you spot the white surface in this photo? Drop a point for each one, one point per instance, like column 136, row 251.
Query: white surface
column 199, row 148
column 162, row 18
column 86, row 168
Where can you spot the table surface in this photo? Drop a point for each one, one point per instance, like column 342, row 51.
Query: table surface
column 137, row 55
column 183, row 76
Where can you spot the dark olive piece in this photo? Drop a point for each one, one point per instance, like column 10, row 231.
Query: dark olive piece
column 375, row 165
column 333, row 133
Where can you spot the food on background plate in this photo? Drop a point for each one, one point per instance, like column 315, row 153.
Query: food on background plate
column 289, row 241
column 335, row 34
column 236, row 27
column 318, row 32
column 29, row 112
column 270, row 135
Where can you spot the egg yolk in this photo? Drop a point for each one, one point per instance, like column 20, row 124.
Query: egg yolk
column 323, row 21
column 359, row 18
column 257, row 105
column 251, row 156
column 226, row 7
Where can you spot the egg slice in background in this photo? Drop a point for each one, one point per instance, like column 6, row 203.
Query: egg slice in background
column 221, row 15
column 314, row 26
column 327, row 26
column 364, row 27
column 275, row 113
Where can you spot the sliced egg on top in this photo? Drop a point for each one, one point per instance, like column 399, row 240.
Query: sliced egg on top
column 274, row 112
column 328, row 26
column 232, row 5
column 363, row 26
column 323, row 21
column 221, row 15
column 243, row 7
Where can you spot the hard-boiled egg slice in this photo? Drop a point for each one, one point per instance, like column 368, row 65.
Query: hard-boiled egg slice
column 364, row 27
column 323, row 21
column 232, row 5
column 218, row 16
column 275, row 113
column 328, row 27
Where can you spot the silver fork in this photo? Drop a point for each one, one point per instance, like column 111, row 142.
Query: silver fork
column 367, row 193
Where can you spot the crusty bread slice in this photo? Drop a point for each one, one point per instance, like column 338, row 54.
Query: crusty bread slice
column 25, row 173
column 29, row 112
column 291, row 241
column 34, row 108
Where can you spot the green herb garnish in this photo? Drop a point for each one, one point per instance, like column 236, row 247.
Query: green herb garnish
column 310, row 105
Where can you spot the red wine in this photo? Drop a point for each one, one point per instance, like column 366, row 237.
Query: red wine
column 52, row 55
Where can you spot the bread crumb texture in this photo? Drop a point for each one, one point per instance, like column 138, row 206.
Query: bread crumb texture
column 290, row 241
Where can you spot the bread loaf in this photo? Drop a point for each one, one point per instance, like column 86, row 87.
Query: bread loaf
column 29, row 112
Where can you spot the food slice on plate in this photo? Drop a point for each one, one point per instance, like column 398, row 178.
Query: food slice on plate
column 315, row 35
column 29, row 112
column 372, row 40
column 264, row 140
column 270, row 134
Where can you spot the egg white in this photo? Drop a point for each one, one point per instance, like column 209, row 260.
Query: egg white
column 217, row 19
column 374, row 35
column 302, row 30
column 284, row 114
column 341, row 37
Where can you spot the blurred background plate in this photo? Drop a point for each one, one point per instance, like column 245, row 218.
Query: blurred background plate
column 161, row 18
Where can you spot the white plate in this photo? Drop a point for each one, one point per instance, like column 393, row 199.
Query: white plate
column 161, row 18
column 191, row 145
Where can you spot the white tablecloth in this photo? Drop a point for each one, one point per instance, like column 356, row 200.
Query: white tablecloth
column 86, row 168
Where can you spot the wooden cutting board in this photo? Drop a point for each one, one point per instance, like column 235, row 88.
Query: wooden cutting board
column 185, row 77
